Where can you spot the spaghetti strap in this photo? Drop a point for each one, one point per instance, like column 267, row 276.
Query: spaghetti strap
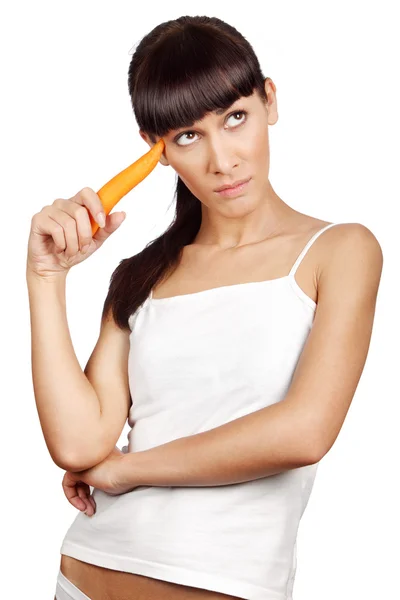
column 306, row 247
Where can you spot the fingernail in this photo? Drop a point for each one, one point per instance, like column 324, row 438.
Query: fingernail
column 101, row 219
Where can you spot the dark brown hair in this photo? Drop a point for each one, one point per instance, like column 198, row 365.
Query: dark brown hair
column 179, row 72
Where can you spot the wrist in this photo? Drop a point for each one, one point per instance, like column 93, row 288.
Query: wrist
column 33, row 276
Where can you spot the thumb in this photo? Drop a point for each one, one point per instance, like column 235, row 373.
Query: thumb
column 113, row 221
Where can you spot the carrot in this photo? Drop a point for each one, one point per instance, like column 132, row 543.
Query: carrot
column 126, row 180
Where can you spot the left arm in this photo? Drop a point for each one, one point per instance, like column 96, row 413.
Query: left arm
column 300, row 429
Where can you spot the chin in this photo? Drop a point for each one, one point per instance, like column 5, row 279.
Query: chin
column 237, row 207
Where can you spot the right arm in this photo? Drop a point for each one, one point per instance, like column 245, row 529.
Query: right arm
column 81, row 413
column 81, row 423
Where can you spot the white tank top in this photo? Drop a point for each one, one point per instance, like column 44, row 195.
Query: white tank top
column 197, row 361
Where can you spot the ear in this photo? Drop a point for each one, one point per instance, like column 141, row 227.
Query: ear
column 163, row 159
column 268, row 81
column 271, row 102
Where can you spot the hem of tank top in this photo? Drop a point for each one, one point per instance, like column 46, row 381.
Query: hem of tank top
column 170, row 573
column 290, row 277
column 239, row 285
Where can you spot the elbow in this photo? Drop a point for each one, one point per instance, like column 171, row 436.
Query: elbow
column 75, row 461
column 313, row 458
column 312, row 451
column 74, row 464
column 59, row 456
column 79, row 455
column 64, row 461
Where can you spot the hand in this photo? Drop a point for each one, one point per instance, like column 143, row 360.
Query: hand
column 104, row 476
column 60, row 231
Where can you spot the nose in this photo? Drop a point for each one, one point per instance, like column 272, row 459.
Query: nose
column 221, row 155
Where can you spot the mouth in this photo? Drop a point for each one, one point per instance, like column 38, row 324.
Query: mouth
column 232, row 191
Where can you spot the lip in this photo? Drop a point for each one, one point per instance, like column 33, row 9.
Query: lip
column 233, row 191
column 231, row 187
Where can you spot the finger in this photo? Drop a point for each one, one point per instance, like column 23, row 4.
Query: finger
column 68, row 223
column 88, row 197
column 84, row 496
column 113, row 221
column 69, row 485
column 48, row 226
column 82, row 221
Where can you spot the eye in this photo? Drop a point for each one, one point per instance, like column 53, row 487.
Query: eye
column 234, row 114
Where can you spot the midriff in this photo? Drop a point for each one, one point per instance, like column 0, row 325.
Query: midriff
column 100, row 583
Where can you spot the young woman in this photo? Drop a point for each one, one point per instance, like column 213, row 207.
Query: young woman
column 233, row 343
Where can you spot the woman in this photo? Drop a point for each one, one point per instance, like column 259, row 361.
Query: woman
column 233, row 343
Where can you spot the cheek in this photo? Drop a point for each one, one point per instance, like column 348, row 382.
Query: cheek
column 188, row 176
column 187, row 169
column 257, row 144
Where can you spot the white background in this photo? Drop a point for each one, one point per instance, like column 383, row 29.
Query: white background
column 67, row 123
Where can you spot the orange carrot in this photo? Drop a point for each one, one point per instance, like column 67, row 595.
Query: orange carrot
column 126, row 180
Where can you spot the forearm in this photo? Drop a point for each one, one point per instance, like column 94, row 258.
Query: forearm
column 274, row 439
column 68, row 407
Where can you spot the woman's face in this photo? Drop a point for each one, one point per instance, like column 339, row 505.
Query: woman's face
column 224, row 148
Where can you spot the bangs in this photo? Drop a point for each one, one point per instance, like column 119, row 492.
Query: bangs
column 189, row 74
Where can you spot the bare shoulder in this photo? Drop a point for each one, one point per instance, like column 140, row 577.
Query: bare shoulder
column 354, row 231
column 352, row 247
column 343, row 253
